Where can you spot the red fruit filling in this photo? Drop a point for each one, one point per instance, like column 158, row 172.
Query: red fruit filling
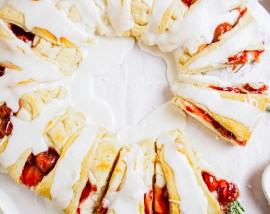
column 85, row 193
column 5, row 124
column 38, row 166
column 245, row 57
column 226, row 192
column 221, row 29
column 148, row 202
column 161, row 200
column 2, row 71
column 193, row 109
column 22, row 34
column 245, row 89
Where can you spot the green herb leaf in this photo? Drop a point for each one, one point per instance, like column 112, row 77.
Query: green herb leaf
column 268, row 109
column 235, row 208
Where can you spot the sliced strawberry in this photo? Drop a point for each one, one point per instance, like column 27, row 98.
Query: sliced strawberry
column 86, row 191
column 31, row 175
column 210, row 181
column 221, row 29
column 22, row 34
column 5, row 128
column 5, row 112
column 240, row 58
column 161, row 201
column 2, row 71
column 46, row 160
column 227, row 192
column 188, row 2
column 148, row 201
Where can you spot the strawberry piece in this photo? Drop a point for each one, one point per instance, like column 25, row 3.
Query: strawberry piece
column 161, row 201
column 31, row 176
column 210, row 181
column 227, row 192
column 2, row 71
column 5, row 112
column 221, row 29
column 46, row 160
column 22, row 34
column 188, row 2
column 148, row 201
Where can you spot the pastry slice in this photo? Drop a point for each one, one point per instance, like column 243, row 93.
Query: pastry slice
column 231, row 111
column 190, row 188
column 161, row 197
column 52, row 40
column 71, row 174
column 100, row 172
column 232, row 45
column 131, row 184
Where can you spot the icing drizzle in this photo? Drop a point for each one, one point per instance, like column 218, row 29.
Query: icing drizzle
column 70, row 166
column 186, row 185
column 131, row 194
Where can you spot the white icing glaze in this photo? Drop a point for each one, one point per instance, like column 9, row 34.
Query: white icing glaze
column 211, row 99
column 154, row 21
column 88, row 14
column 131, row 194
column 164, row 119
column 202, row 80
column 43, row 14
column 110, row 18
column 171, row 70
column 119, row 13
column 247, row 37
column 20, row 54
column 29, row 135
column 68, row 168
column 202, row 21
column 31, row 67
column 192, row 198
column 98, row 62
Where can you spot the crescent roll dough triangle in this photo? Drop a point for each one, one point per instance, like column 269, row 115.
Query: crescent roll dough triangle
column 187, row 190
column 220, row 110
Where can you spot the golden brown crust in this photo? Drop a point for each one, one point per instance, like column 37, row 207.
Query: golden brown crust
column 241, row 131
column 174, row 198
column 15, row 170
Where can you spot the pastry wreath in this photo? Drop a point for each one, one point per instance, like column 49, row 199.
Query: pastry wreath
column 83, row 168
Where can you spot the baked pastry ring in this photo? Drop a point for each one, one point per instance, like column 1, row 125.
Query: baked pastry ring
column 192, row 192
column 216, row 105
column 78, row 166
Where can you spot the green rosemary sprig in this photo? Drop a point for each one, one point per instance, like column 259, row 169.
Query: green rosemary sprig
column 235, row 208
